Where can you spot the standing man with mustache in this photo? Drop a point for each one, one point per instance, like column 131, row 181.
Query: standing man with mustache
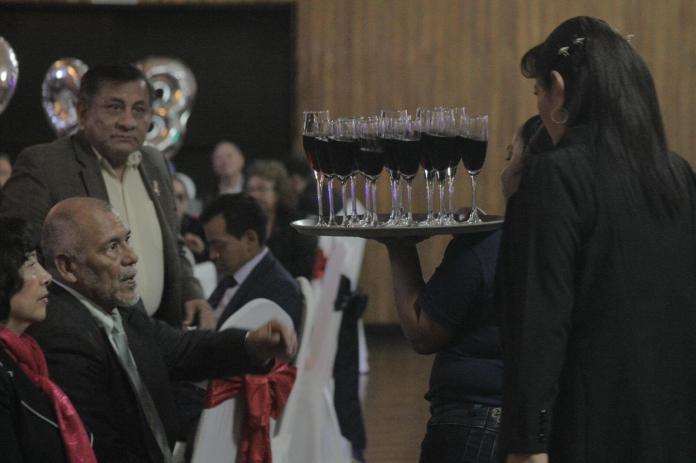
column 106, row 159
column 112, row 360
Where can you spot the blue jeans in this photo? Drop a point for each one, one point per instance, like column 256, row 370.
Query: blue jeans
column 461, row 433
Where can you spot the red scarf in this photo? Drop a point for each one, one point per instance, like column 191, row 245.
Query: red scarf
column 265, row 397
column 27, row 353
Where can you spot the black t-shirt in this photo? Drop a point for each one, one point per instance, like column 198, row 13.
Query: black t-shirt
column 459, row 297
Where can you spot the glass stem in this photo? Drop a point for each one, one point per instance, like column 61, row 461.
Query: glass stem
column 429, row 196
column 400, row 210
column 473, row 216
column 368, row 205
column 332, row 216
column 319, row 177
column 409, row 192
column 375, row 218
column 441, row 191
column 354, row 216
column 450, row 192
column 395, row 200
column 344, row 197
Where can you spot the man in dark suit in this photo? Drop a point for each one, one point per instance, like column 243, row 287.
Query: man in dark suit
column 123, row 394
column 236, row 228
column 106, row 159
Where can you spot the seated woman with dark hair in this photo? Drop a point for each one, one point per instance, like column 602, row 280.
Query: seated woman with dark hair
column 268, row 182
column 38, row 422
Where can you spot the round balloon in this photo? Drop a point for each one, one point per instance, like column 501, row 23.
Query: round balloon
column 176, row 88
column 9, row 73
column 59, row 94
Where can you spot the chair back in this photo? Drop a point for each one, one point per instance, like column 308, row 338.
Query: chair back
column 310, row 432
column 207, row 276
column 219, row 429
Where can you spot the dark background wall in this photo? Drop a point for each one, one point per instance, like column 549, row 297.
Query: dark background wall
column 242, row 57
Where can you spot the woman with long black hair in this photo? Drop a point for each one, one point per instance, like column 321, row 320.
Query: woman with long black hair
column 597, row 278
column 38, row 423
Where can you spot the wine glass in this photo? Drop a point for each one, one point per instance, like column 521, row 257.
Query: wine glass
column 327, row 170
column 408, row 150
column 389, row 121
column 424, row 116
column 474, row 155
column 343, row 148
column 439, row 138
column 315, row 124
column 370, row 161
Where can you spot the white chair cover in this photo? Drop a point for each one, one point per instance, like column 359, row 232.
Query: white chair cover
column 309, row 430
column 205, row 273
column 351, row 269
column 219, row 429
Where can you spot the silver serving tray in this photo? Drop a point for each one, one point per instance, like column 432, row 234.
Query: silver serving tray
column 309, row 227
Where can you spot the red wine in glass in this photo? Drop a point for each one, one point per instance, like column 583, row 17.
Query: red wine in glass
column 427, row 151
column 441, row 147
column 342, row 153
column 390, row 156
column 370, row 157
column 474, row 154
column 408, row 156
column 310, row 148
column 322, row 155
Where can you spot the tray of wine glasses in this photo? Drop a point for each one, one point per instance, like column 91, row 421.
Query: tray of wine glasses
column 488, row 222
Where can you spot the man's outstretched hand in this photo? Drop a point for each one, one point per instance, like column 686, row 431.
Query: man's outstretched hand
column 273, row 339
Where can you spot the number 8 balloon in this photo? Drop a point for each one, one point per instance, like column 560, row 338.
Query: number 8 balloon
column 176, row 89
column 9, row 73
column 59, row 94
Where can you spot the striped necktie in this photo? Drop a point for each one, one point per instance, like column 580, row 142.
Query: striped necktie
column 119, row 341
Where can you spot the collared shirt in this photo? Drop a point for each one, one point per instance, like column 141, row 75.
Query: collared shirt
column 102, row 318
column 239, row 276
column 130, row 198
column 238, row 187
column 108, row 321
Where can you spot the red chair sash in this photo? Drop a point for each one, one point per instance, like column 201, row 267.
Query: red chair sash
column 265, row 396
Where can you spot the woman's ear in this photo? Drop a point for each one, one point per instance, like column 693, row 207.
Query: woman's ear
column 557, row 89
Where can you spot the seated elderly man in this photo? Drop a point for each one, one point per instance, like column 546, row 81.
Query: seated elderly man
column 114, row 362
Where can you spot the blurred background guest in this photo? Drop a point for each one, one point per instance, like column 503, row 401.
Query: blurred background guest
column 303, row 184
column 269, row 184
column 5, row 168
column 190, row 227
column 235, row 224
column 228, row 166
column 38, row 421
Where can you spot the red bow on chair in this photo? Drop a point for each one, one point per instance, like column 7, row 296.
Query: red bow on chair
column 265, row 396
column 319, row 266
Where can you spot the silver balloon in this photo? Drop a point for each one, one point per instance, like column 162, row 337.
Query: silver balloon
column 176, row 86
column 9, row 73
column 59, row 94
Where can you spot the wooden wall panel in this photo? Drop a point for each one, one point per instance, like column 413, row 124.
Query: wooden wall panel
column 357, row 56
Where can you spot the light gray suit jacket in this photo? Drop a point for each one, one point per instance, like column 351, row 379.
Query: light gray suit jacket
column 45, row 174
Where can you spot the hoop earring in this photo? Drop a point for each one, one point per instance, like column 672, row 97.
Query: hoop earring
column 555, row 119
